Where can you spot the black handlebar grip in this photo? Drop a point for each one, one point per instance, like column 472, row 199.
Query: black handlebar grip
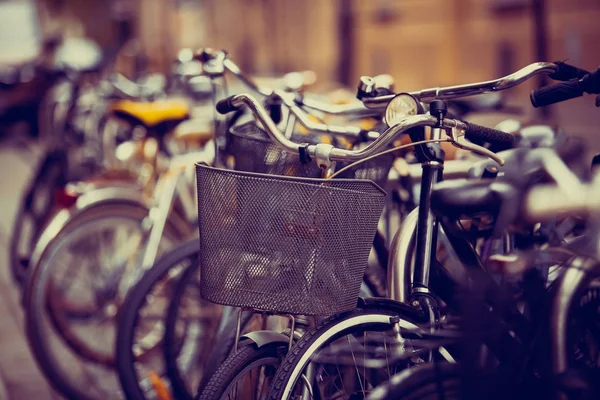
column 480, row 134
column 556, row 93
column 566, row 72
column 226, row 106
column 591, row 82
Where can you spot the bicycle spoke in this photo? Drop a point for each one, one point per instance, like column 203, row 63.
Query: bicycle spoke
column 387, row 361
column 356, row 366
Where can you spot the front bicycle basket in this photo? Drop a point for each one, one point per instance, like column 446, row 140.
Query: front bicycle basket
column 284, row 244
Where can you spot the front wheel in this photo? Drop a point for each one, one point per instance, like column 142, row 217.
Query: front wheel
column 332, row 361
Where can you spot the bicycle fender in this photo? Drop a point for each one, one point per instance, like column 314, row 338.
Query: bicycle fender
column 262, row 338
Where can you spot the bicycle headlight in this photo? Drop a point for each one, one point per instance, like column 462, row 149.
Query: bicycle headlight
column 400, row 107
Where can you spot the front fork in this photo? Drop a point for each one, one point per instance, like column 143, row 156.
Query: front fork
column 426, row 244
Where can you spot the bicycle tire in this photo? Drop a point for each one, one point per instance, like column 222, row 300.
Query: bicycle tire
column 224, row 346
column 129, row 316
column 238, row 365
column 35, row 297
column 369, row 315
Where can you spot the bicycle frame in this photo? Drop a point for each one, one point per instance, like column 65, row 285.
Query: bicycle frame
column 169, row 188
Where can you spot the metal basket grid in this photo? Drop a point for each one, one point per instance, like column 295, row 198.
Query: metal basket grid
column 284, row 244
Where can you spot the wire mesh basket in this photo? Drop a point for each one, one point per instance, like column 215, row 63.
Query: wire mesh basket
column 284, row 244
column 253, row 151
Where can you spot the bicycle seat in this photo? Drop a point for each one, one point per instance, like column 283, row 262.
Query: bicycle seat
column 465, row 197
column 151, row 114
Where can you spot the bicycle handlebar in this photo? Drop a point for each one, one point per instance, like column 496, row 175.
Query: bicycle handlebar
column 219, row 61
column 452, row 92
column 329, row 153
column 226, row 106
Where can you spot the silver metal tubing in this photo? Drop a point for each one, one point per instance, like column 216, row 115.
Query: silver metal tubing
column 452, row 92
column 336, row 154
column 568, row 287
column 158, row 216
column 545, row 202
column 384, row 140
column 351, row 131
column 261, row 114
column 238, row 328
column 235, row 70
column 289, row 125
column 292, row 330
column 289, row 100
column 400, row 263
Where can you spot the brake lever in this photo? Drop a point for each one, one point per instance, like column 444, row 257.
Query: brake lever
column 456, row 141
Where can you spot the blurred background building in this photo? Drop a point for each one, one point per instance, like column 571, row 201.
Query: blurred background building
column 421, row 43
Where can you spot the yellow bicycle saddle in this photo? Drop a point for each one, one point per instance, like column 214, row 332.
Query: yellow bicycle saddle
column 150, row 114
